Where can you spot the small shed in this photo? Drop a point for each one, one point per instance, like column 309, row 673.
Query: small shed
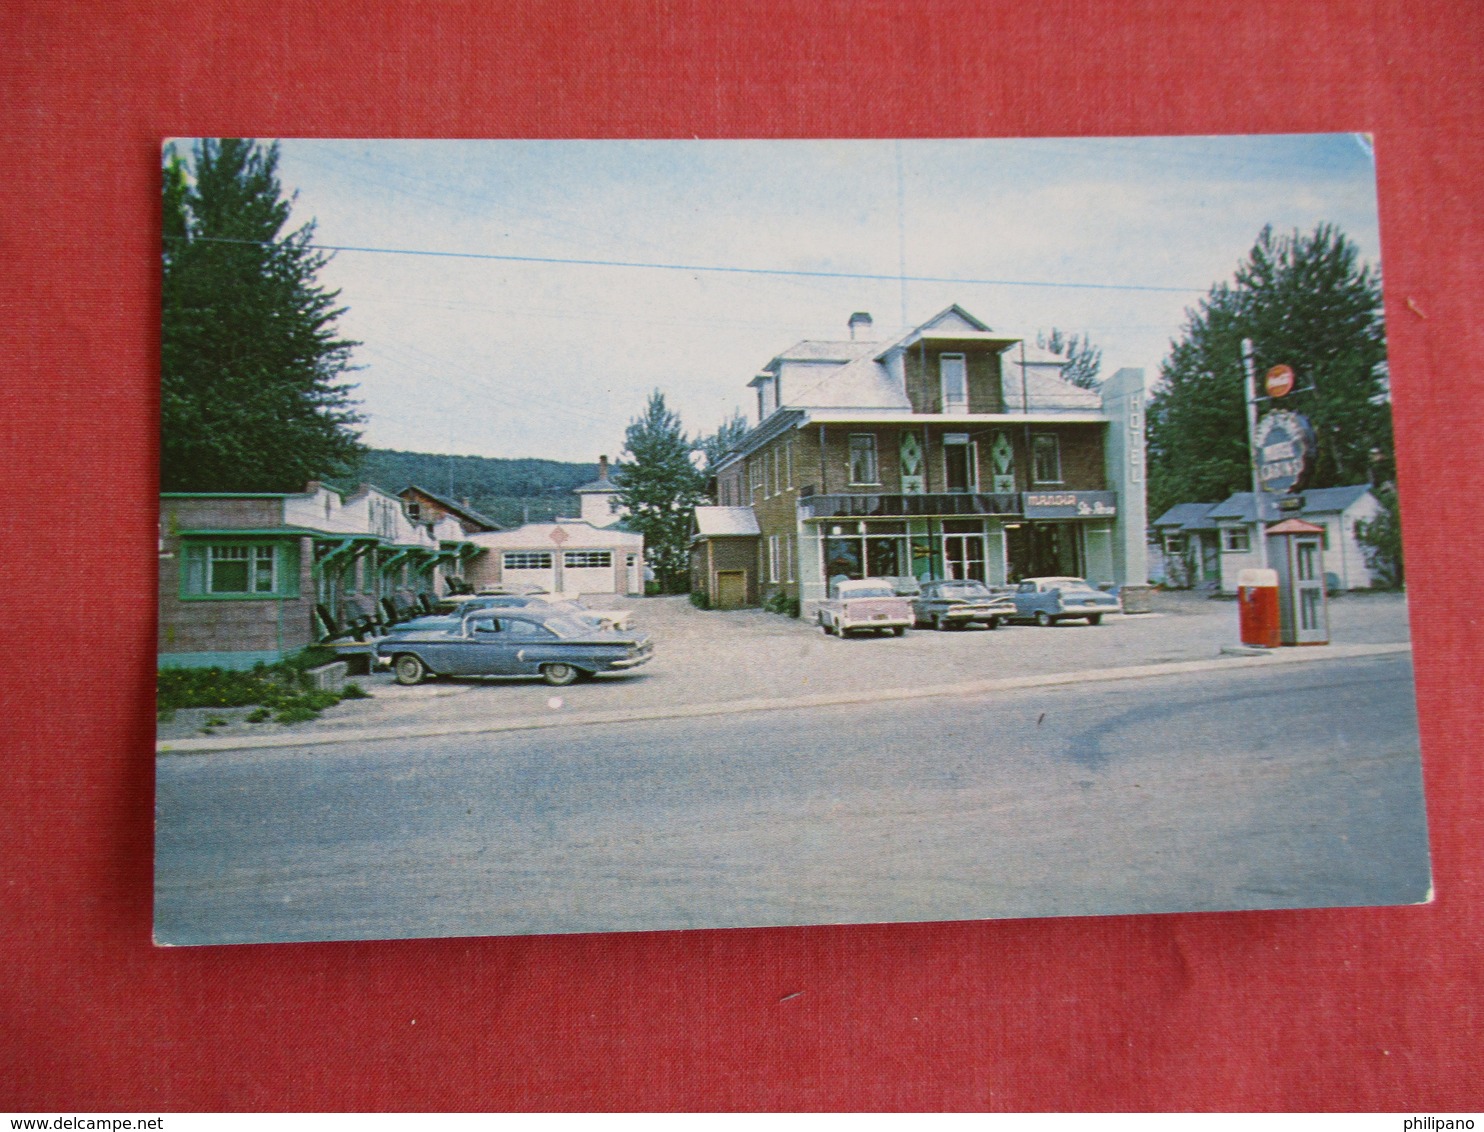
column 724, row 556
column 1188, row 542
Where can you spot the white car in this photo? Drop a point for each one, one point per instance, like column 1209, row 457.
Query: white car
column 865, row 605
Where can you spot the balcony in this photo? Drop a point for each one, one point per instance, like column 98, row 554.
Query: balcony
column 1055, row 504
column 902, row 506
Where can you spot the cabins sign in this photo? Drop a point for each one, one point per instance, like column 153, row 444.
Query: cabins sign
column 1284, row 451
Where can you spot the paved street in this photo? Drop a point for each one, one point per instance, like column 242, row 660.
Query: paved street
column 724, row 657
column 1252, row 788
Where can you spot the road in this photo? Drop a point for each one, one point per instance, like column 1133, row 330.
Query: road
column 1241, row 790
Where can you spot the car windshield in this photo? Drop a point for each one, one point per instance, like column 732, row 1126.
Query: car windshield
column 868, row 591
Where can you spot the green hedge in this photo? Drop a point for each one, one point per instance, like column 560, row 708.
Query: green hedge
column 285, row 688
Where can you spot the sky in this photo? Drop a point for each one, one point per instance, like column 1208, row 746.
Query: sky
column 477, row 339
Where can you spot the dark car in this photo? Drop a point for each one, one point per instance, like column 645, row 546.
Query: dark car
column 1049, row 600
column 952, row 604
column 558, row 647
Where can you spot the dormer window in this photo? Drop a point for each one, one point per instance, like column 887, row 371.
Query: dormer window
column 955, row 383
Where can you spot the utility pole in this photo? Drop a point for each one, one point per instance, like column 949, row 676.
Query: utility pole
column 1259, row 500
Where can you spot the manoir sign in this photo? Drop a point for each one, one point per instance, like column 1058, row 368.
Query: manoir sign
column 1071, row 504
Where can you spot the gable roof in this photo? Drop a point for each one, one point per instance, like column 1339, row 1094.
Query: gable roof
column 458, row 510
column 712, row 522
column 1316, row 501
column 1187, row 516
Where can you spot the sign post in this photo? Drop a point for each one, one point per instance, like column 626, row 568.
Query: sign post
column 1257, row 493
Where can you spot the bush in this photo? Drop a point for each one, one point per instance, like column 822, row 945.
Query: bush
column 1381, row 541
column 779, row 602
column 700, row 599
column 281, row 689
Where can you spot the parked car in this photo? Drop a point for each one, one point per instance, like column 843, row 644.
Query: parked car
column 557, row 647
column 864, row 605
column 1049, row 600
column 905, row 586
column 954, row 603
column 542, row 601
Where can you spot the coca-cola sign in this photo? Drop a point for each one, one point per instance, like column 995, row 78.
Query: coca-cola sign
column 1285, row 451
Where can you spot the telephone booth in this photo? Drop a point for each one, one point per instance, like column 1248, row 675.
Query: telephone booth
column 1296, row 551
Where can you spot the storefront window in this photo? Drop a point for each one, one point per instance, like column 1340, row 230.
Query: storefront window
column 1041, row 550
column 865, row 549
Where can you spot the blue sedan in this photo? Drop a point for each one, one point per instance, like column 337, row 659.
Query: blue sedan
column 1049, row 600
column 511, row 642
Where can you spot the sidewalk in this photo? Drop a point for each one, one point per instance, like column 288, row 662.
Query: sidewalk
column 710, row 663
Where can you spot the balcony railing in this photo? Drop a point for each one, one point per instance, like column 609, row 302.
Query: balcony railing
column 1031, row 504
column 897, row 506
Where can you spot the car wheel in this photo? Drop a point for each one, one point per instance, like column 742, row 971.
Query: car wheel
column 409, row 669
column 560, row 675
column 899, row 631
column 1094, row 618
column 937, row 623
column 1043, row 618
column 992, row 623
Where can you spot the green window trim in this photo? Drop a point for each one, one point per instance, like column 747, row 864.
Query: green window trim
column 239, row 570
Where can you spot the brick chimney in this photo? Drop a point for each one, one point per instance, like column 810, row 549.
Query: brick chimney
column 862, row 321
column 602, row 467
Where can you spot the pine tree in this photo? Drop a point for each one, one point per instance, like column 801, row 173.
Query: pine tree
column 724, row 439
column 1305, row 301
column 1084, row 360
column 251, row 360
column 659, row 484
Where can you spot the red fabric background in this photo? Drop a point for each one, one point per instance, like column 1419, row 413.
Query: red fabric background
column 1323, row 1009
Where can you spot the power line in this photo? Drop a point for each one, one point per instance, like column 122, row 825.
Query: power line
column 715, row 269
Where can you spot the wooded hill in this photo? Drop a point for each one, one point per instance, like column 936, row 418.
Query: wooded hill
column 507, row 491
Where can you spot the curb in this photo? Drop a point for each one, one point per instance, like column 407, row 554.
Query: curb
column 778, row 703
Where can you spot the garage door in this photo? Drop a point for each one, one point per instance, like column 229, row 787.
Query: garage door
column 588, row 572
column 529, row 567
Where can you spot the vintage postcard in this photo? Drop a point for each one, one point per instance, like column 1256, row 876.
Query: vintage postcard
column 586, row 536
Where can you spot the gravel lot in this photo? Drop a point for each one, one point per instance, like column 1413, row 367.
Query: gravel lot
column 717, row 657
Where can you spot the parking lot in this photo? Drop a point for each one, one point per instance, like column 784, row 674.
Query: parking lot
column 715, row 657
